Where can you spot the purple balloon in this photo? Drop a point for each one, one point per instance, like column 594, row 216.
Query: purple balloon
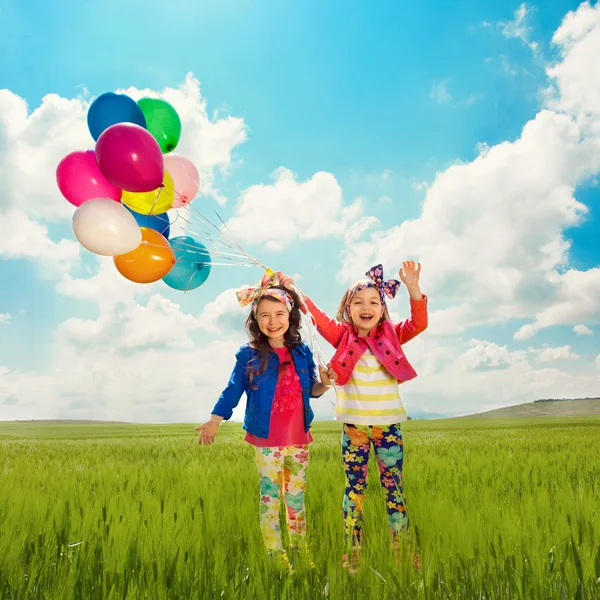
column 130, row 158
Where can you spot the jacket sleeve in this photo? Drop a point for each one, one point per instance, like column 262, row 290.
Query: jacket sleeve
column 313, row 372
column 329, row 328
column 417, row 323
column 238, row 383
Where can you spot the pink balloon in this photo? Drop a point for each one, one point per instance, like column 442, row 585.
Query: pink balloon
column 130, row 157
column 185, row 178
column 79, row 179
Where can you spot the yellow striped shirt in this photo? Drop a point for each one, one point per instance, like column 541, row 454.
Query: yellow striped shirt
column 371, row 396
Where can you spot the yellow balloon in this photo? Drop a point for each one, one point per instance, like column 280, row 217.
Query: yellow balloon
column 156, row 202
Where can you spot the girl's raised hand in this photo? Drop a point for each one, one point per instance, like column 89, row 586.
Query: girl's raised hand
column 409, row 273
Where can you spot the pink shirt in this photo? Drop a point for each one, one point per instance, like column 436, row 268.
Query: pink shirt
column 287, row 414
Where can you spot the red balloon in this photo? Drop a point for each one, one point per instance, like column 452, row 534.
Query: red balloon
column 79, row 179
column 130, row 158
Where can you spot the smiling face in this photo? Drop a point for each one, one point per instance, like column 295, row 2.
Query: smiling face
column 365, row 310
column 273, row 320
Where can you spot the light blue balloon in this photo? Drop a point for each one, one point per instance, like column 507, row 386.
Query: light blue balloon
column 193, row 264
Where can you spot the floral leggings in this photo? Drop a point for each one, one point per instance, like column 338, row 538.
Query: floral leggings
column 282, row 467
column 356, row 447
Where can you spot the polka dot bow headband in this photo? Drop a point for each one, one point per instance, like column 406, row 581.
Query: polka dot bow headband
column 253, row 294
column 387, row 287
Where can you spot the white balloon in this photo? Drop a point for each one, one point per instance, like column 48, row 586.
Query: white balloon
column 106, row 227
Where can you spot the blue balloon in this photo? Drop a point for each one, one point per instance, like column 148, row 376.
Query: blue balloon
column 160, row 223
column 193, row 264
column 110, row 108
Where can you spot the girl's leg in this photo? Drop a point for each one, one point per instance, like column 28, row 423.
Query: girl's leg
column 270, row 470
column 356, row 446
column 295, row 463
column 390, row 458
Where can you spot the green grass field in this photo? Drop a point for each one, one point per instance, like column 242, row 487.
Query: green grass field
column 500, row 510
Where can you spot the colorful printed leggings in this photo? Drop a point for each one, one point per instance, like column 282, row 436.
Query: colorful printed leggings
column 356, row 447
column 277, row 467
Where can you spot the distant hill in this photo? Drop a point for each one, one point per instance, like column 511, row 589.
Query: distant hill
column 559, row 407
column 71, row 422
column 416, row 414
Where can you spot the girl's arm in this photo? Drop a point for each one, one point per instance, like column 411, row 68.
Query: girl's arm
column 229, row 399
column 329, row 328
column 318, row 388
column 231, row 395
column 417, row 323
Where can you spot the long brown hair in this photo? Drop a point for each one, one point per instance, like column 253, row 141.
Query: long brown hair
column 260, row 342
column 342, row 313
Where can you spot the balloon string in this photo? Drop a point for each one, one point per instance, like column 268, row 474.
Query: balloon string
column 209, row 235
column 186, row 205
column 193, row 249
column 232, row 242
column 191, row 207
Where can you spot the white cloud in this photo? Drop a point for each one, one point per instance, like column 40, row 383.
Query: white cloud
column 439, row 92
column 137, row 362
column 279, row 214
column 519, row 28
column 489, row 355
column 23, row 237
column 502, row 64
column 5, row 318
column 525, row 332
column 448, row 321
column 223, row 312
column 32, row 146
column 491, row 233
column 582, row 330
column 598, row 361
column 454, row 379
column 575, row 77
column 549, row 354
column 420, row 186
column 105, row 288
column 576, row 298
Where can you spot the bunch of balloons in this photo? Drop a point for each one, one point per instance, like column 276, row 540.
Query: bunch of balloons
column 124, row 187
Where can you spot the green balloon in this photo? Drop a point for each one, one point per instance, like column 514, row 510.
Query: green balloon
column 162, row 121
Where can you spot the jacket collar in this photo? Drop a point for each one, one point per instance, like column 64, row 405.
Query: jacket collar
column 299, row 349
column 374, row 332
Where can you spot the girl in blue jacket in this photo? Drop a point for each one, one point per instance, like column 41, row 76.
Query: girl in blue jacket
column 277, row 372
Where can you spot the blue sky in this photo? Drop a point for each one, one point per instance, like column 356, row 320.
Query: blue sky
column 383, row 97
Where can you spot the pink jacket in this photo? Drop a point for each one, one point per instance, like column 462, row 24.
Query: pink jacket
column 385, row 341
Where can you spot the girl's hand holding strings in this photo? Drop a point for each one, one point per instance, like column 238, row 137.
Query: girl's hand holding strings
column 328, row 376
column 287, row 282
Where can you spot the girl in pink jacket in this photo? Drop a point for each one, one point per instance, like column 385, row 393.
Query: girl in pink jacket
column 370, row 363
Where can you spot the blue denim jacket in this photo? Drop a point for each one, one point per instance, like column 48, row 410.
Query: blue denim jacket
column 260, row 400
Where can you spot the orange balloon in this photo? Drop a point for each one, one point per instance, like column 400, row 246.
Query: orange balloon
column 150, row 261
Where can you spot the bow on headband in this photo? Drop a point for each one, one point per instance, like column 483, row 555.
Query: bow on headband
column 252, row 294
column 387, row 287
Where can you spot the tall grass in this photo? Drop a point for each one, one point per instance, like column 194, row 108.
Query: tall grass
column 499, row 509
